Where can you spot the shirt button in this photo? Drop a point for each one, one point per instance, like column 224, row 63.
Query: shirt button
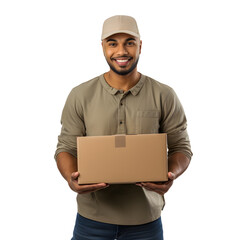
column 121, row 122
column 121, row 103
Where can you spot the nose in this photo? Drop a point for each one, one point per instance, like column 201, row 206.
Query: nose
column 122, row 50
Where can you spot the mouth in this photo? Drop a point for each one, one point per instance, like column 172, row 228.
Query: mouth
column 123, row 61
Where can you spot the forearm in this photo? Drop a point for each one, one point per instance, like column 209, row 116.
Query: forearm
column 67, row 164
column 178, row 163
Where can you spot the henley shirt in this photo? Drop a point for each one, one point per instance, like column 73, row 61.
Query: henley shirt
column 94, row 108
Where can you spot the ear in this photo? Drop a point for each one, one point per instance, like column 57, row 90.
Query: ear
column 103, row 48
column 140, row 47
column 102, row 43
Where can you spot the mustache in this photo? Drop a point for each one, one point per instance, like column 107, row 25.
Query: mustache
column 119, row 57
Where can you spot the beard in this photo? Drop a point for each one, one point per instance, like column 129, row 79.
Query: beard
column 123, row 71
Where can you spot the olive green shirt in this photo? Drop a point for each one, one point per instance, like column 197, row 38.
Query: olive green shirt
column 94, row 108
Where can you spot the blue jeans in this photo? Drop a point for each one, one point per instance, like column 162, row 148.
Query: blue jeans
column 86, row 229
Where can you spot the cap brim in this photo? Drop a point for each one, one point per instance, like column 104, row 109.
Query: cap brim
column 104, row 36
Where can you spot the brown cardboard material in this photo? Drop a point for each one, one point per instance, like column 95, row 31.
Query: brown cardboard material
column 122, row 158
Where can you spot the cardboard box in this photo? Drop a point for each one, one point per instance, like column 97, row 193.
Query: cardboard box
column 122, row 158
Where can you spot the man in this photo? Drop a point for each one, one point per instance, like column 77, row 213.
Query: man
column 121, row 101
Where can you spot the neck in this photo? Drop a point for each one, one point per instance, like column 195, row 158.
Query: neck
column 122, row 82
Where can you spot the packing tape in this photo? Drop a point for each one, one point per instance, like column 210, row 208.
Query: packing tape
column 120, row 141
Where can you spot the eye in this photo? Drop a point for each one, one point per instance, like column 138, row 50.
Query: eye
column 112, row 44
column 130, row 43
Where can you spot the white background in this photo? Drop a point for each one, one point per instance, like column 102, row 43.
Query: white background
column 47, row 47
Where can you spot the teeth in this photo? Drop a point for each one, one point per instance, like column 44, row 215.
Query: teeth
column 122, row 61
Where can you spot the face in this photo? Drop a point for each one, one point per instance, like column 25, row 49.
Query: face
column 122, row 52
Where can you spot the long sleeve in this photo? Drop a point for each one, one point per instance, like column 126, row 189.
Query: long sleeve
column 174, row 123
column 72, row 126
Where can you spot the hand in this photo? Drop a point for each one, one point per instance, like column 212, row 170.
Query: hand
column 160, row 188
column 82, row 189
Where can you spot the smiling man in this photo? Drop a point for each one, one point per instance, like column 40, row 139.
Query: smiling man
column 126, row 58
column 122, row 53
column 121, row 101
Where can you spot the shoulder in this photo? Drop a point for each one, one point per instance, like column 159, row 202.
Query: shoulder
column 86, row 86
column 159, row 88
column 85, row 89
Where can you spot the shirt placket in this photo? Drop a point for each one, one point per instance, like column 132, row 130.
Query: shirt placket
column 121, row 113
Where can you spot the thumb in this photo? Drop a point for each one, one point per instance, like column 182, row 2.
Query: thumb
column 171, row 176
column 75, row 175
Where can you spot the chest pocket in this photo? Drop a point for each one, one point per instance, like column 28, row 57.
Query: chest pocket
column 148, row 122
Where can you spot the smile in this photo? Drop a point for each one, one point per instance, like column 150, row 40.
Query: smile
column 122, row 62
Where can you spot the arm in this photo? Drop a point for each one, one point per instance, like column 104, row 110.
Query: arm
column 67, row 165
column 72, row 126
column 173, row 123
column 178, row 163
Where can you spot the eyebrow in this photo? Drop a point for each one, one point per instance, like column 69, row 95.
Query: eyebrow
column 111, row 40
column 130, row 39
column 114, row 40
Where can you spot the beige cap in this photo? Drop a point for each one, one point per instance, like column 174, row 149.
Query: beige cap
column 120, row 24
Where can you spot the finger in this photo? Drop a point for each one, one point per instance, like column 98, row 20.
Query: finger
column 151, row 185
column 91, row 188
column 158, row 187
column 90, row 191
